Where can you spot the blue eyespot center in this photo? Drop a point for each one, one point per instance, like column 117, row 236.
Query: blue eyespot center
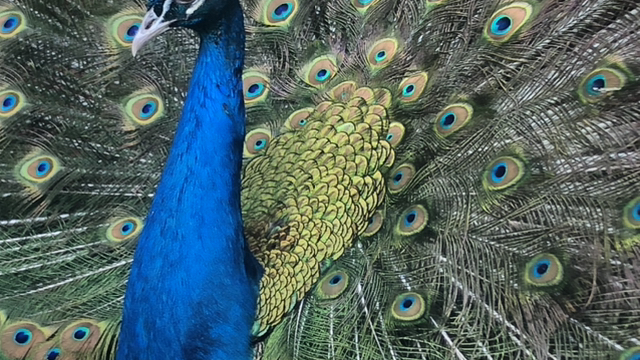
column 323, row 75
column 448, row 120
column 126, row 229
column 636, row 212
column 148, row 110
column 381, row 55
column 541, row 268
column 501, row 25
column 255, row 90
column 397, row 178
column 260, row 144
column 82, row 333
column 43, row 168
column 370, row 222
column 335, row 280
column 389, row 137
column 410, row 218
column 407, row 303
column 283, row 11
column 22, row 337
column 132, row 31
column 595, row 85
column 408, row 90
column 53, row 354
column 364, row 2
column 302, row 122
column 10, row 24
column 9, row 103
column 499, row 172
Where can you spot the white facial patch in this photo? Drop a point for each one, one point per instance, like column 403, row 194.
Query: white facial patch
column 196, row 5
column 165, row 7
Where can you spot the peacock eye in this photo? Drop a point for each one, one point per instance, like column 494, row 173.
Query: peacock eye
column 282, row 11
column 299, row 118
column 395, row 134
column 412, row 221
column 256, row 141
column 382, row 52
column 11, row 23
column 503, row 173
column 131, row 32
column 408, row 306
column 124, row 28
column 401, row 177
column 600, row 83
column 22, row 337
column 10, row 103
column 52, row 354
column 39, row 169
column 255, row 87
column 119, row 231
column 332, row 285
column 412, row 87
column 320, row 70
column 82, row 333
column 506, row 22
column 544, row 270
column 278, row 12
column 144, row 109
column 453, row 118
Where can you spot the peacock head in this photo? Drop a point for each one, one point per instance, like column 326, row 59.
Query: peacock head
column 165, row 14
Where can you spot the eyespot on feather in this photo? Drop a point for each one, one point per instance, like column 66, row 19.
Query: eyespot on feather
column 81, row 336
column 412, row 87
column 408, row 306
column 12, row 22
column 332, row 285
column 143, row 109
column 278, row 12
column 631, row 214
column 16, row 340
column 506, row 22
column 299, row 118
column 320, row 70
column 256, row 141
column 255, row 87
column 412, row 220
column 503, row 173
column 452, row 119
column 39, row 169
column 374, row 224
column 399, row 178
column 124, row 27
column 362, row 5
column 11, row 102
column 600, row 83
column 382, row 52
column 395, row 134
column 123, row 229
column 543, row 270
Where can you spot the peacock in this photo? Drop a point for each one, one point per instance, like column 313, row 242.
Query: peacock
column 417, row 179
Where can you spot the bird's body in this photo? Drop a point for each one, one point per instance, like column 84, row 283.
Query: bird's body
column 439, row 179
column 196, row 219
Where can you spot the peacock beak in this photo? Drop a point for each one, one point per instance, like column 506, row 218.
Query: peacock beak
column 152, row 26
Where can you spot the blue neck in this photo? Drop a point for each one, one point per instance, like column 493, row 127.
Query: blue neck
column 192, row 291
